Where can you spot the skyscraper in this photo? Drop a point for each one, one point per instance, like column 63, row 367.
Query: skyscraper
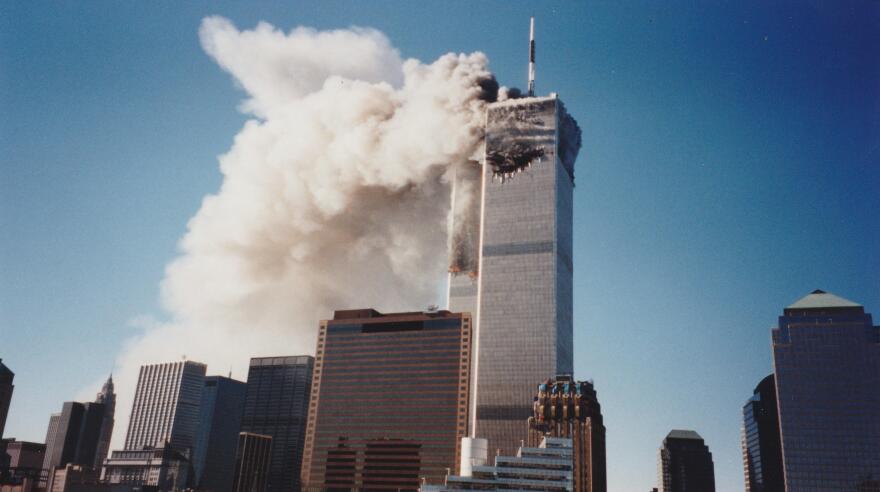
column 276, row 405
column 762, row 451
column 6, row 387
column 107, row 398
column 252, row 458
column 389, row 400
column 217, row 438
column 523, row 286
column 826, row 357
column 685, row 463
column 570, row 409
column 166, row 406
column 77, row 431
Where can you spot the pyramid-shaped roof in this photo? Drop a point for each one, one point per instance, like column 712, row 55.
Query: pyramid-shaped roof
column 821, row 299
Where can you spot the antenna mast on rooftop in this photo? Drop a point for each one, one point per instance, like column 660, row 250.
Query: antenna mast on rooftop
column 531, row 57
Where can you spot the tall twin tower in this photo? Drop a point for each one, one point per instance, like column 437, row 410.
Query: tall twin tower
column 511, row 261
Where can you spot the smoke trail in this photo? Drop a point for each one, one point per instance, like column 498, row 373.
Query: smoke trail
column 335, row 195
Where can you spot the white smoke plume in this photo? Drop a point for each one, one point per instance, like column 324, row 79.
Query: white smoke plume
column 335, row 195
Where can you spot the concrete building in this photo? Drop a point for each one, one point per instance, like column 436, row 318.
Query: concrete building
column 276, row 405
column 23, row 454
column 163, row 468
column 389, row 400
column 522, row 288
column 826, row 358
column 685, row 463
column 6, row 387
column 219, row 423
column 570, row 409
column 547, row 467
column 166, row 406
column 762, row 450
column 107, row 398
column 252, row 458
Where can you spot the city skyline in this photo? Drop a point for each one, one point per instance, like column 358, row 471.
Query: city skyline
column 721, row 168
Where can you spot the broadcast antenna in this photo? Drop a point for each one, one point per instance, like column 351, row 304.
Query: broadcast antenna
column 531, row 57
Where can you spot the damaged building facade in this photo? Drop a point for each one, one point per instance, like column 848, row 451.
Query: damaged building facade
column 520, row 291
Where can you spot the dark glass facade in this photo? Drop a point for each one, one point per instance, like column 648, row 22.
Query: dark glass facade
column 762, row 450
column 826, row 355
column 276, row 405
column 6, row 387
column 685, row 463
column 76, row 435
column 252, row 457
column 217, row 437
column 389, row 402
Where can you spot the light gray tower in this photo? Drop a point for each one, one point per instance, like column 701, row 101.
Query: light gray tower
column 166, row 406
column 522, row 288
column 108, row 398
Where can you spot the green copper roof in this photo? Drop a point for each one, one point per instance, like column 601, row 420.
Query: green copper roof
column 822, row 299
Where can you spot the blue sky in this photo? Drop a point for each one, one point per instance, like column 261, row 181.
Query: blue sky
column 731, row 164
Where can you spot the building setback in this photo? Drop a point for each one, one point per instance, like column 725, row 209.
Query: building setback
column 252, row 458
column 6, row 387
column 389, row 400
column 826, row 357
column 570, row 409
column 276, row 405
column 166, row 406
column 685, row 463
column 762, row 451
column 219, row 423
column 523, row 289
column 164, row 468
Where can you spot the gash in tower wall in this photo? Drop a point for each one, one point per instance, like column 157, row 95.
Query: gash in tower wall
column 522, row 290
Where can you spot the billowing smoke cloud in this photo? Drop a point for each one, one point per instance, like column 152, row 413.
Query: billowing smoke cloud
column 335, row 195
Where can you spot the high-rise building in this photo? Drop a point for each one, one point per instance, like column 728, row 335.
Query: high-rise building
column 546, row 467
column 570, row 409
column 166, row 406
column 219, row 423
column 762, row 451
column 826, row 358
column 389, row 400
column 6, row 387
column 107, row 398
column 685, row 463
column 254, row 452
column 77, row 430
column 522, row 288
column 276, row 405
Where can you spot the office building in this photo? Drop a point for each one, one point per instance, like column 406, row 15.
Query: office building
column 570, row 409
column 276, row 405
column 547, row 467
column 73, row 435
column 219, row 423
column 252, row 458
column 389, row 399
column 685, row 463
column 163, row 467
column 826, row 358
column 6, row 387
column 166, row 406
column 23, row 454
column 523, row 286
column 762, row 451
column 107, row 398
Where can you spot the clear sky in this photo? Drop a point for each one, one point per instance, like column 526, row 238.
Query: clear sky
column 731, row 165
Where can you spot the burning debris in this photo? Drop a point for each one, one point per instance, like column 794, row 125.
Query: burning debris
column 514, row 160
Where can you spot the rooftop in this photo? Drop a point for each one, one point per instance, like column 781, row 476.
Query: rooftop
column 683, row 434
column 820, row 299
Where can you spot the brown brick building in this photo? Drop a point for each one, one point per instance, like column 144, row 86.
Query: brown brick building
column 389, row 400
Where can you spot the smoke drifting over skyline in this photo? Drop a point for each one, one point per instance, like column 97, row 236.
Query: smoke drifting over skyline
column 336, row 194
